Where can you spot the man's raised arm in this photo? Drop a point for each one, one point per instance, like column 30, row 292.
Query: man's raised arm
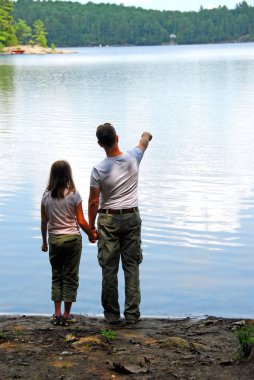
column 144, row 141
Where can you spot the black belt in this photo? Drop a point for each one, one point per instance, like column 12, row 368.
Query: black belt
column 118, row 212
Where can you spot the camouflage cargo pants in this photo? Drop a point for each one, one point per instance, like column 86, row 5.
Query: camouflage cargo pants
column 120, row 236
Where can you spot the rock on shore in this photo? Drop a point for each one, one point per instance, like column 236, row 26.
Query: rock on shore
column 35, row 49
column 152, row 349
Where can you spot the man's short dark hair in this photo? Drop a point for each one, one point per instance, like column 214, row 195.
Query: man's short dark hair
column 106, row 135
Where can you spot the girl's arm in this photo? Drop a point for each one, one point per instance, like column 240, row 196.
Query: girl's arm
column 44, row 229
column 92, row 234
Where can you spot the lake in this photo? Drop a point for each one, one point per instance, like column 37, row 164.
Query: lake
column 196, row 188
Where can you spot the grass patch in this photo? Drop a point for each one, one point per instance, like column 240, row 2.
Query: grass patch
column 109, row 334
column 17, row 333
column 245, row 336
column 62, row 364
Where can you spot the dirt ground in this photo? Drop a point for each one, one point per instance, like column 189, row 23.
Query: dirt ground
column 32, row 348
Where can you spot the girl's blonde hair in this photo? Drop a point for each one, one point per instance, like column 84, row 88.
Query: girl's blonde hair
column 60, row 179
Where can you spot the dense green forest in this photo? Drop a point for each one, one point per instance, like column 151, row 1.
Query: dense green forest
column 74, row 24
column 7, row 34
column 14, row 33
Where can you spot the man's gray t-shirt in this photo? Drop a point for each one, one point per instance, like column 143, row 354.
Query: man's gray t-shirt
column 61, row 213
column 117, row 178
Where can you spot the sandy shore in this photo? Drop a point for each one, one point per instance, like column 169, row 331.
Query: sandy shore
column 162, row 349
column 29, row 49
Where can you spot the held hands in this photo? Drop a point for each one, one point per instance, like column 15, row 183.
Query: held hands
column 93, row 236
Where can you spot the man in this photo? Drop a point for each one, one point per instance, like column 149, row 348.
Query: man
column 113, row 194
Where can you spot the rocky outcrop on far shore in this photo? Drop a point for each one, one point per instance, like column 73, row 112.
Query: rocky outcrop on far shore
column 34, row 49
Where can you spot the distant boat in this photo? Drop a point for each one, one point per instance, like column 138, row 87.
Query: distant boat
column 18, row 51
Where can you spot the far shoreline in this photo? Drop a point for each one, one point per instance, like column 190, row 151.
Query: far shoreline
column 39, row 50
column 34, row 49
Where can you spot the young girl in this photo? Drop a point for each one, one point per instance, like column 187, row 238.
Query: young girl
column 61, row 217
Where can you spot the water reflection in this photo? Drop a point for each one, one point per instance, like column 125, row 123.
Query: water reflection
column 6, row 78
column 8, row 163
column 7, row 82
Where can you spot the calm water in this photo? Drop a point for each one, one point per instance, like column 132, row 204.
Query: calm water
column 196, row 187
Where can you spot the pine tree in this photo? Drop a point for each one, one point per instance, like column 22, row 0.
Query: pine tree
column 23, row 31
column 7, row 35
column 40, row 33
